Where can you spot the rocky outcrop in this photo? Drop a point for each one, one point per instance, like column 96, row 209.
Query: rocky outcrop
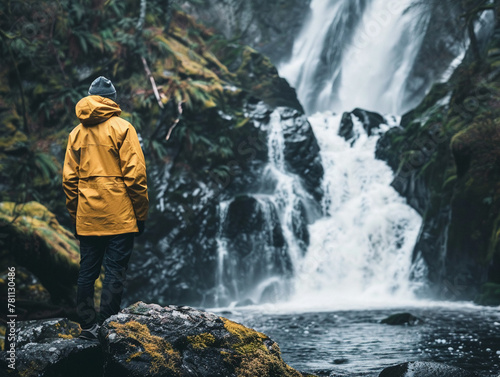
column 445, row 158
column 217, row 153
column 425, row 369
column 149, row 340
column 45, row 257
column 370, row 121
column 301, row 151
column 51, row 348
column 269, row 27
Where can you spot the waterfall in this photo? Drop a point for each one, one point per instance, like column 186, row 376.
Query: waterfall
column 275, row 245
column 359, row 53
column 350, row 53
column 362, row 247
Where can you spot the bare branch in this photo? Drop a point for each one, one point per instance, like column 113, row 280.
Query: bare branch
column 179, row 109
column 152, row 80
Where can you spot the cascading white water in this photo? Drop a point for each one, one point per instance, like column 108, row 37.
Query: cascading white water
column 361, row 249
column 221, row 292
column 355, row 53
column 362, row 246
column 377, row 65
column 285, row 202
column 289, row 192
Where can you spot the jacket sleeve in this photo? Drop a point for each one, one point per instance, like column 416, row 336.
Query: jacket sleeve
column 133, row 168
column 70, row 178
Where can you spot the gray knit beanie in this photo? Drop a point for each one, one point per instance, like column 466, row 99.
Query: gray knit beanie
column 103, row 87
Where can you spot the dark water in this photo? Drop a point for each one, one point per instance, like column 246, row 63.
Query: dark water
column 354, row 343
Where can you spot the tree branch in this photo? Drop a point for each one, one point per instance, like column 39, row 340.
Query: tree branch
column 152, row 80
column 179, row 109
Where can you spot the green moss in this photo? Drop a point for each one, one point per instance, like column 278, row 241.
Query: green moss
column 249, row 339
column 34, row 239
column 201, row 341
column 252, row 357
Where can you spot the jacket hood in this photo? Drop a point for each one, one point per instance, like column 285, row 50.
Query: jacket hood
column 92, row 110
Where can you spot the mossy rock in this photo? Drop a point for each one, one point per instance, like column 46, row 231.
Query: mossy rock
column 150, row 340
column 31, row 237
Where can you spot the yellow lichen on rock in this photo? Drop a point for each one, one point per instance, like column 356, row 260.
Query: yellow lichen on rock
column 201, row 341
column 162, row 355
column 253, row 358
column 250, row 340
column 263, row 364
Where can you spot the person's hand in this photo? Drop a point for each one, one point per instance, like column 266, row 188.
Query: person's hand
column 141, row 225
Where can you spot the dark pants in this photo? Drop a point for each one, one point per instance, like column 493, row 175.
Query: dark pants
column 115, row 251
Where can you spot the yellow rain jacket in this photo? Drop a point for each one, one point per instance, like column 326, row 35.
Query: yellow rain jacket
column 104, row 173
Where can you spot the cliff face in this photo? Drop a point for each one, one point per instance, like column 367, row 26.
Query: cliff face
column 446, row 159
column 269, row 27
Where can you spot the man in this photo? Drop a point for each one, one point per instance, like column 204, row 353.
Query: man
column 104, row 179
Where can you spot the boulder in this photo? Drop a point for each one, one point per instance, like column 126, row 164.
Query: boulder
column 150, row 340
column 369, row 119
column 425, row 369
column 406, row 319
column 52, row 348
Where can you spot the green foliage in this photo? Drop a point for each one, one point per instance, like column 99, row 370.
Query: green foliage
column 50, row 53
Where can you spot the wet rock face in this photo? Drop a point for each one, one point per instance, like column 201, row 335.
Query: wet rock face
column 474, row 226
column 302, row 151
column 256, row 249
column 425, row 369
column 445, row 158
column 269, row 27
